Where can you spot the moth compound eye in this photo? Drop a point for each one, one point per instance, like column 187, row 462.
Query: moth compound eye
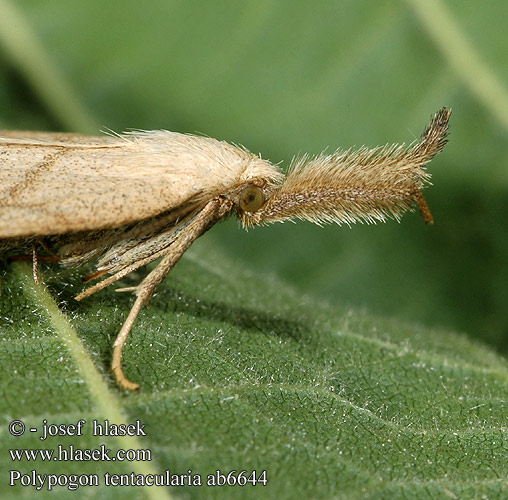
column 251, row 198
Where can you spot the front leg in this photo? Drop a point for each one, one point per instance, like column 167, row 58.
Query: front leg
column 213, row 211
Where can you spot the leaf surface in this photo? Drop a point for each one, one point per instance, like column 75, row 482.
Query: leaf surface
column 242, row 373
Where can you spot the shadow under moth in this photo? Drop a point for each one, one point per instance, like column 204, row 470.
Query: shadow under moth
column 126, row 200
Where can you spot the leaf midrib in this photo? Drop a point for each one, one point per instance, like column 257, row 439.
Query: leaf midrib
column 100, row 395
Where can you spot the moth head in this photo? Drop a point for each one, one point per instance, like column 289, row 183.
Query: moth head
column 249, row 198
column 258, row 181
column 252, row 201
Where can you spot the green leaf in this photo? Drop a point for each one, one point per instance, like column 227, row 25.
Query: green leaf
column 239, row 373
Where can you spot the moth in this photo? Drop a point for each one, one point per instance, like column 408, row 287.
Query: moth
column 125, row 200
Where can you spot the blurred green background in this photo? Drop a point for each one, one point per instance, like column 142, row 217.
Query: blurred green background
column 287, row 77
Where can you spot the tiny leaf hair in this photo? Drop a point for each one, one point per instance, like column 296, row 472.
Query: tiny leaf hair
column 123, row 201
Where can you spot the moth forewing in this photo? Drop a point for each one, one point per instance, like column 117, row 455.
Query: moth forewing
column 59, row 183
column 127, row 200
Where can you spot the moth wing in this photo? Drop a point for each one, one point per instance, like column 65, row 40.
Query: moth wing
column 58, row 183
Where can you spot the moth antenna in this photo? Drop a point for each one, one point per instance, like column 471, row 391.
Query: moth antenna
column 119, row 271
column 364, row 185
column 213, row 211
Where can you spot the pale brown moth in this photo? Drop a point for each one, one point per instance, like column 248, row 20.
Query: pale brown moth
column 126, row 200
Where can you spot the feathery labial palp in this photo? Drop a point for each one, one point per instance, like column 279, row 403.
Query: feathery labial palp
column 357, row 185
column 124, row 201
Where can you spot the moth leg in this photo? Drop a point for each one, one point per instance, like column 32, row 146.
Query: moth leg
column 213, row 211
column 93, row 276
column 34, row 264
column 35, row 258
